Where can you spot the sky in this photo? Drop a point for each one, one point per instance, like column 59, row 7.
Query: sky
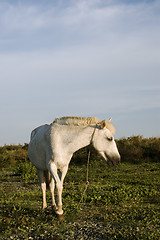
column 79, row 58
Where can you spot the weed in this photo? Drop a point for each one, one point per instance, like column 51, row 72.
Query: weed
column 120, row 203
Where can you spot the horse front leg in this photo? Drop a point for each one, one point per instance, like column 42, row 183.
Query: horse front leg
column 62, row 175
column 52, row 187
column 53, row 171
column 59, row 184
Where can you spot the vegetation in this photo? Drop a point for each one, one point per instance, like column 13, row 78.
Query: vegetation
column 139, row 150
column 120, row 203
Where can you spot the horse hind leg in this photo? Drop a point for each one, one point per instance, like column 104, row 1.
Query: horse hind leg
column 47, row 179
column 42, row 180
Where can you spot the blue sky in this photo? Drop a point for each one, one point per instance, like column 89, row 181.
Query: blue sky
column 82, row 58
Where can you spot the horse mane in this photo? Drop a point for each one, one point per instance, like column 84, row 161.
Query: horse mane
column 77, row 121
column 83, row 121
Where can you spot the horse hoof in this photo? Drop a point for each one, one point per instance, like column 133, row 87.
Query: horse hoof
column 44, row 209
column 54, row 208
column 60, row 217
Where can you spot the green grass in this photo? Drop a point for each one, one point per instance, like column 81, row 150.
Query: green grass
column 120, row 203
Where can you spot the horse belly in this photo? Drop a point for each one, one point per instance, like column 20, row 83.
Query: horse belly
column 39, row 163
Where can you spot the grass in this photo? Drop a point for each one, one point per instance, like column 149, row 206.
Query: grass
column 120, row 203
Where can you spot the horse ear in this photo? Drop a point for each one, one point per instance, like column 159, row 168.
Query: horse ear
column 110, row 119
column 110, row 126
column 103, row 124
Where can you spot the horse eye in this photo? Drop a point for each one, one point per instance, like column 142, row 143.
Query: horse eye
column 109, row 138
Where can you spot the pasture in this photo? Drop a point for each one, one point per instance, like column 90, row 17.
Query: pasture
column 120, row 203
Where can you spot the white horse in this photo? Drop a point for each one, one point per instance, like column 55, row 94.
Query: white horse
column 52, row 146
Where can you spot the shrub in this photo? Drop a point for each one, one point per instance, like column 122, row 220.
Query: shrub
column 135, row 149
column 10, row 154
column 26, row 170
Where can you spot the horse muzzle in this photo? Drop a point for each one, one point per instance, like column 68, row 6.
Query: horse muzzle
column 113, row 160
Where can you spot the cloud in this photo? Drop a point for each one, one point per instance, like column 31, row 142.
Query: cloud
column 79, row 22
column 85, row 57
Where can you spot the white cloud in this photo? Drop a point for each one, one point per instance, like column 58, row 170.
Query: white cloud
column 79, row 22
column 84, row 58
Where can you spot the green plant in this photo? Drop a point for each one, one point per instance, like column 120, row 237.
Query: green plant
column 26, row 170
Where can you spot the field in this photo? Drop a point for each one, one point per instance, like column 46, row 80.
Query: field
column 120, row 203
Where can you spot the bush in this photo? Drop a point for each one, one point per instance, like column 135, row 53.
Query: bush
column 135, row 149
column 10, row 154
column 26, row 170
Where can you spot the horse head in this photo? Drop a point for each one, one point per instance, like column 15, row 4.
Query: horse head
column 105, row 144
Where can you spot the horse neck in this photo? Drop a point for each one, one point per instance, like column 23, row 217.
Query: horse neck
column 83, row 138
column 74, row 138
